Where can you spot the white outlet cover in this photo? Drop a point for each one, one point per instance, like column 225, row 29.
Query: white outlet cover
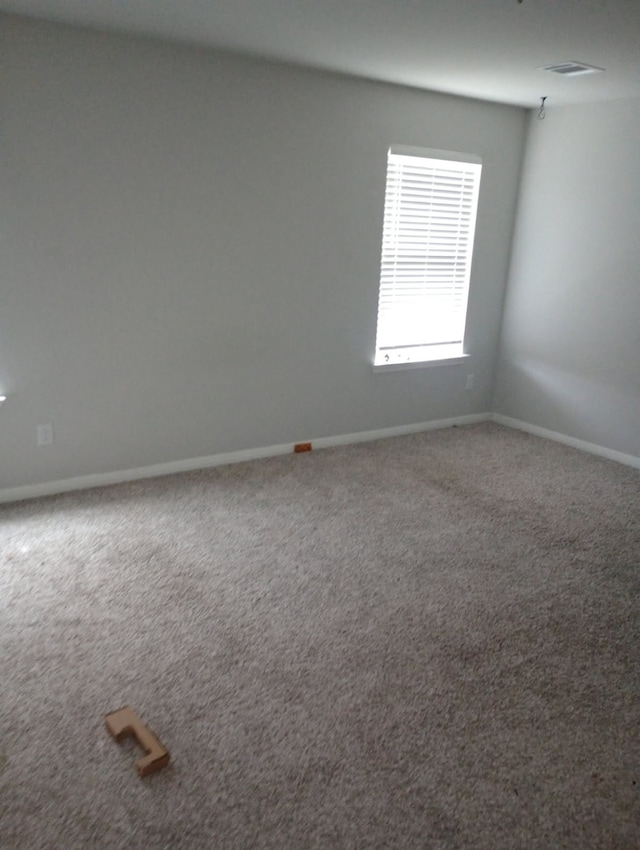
column 44, row 435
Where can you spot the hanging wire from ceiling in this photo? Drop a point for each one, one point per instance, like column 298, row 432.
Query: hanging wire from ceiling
column 541, row 112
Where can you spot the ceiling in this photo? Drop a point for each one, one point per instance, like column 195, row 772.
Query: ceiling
column 489, row 49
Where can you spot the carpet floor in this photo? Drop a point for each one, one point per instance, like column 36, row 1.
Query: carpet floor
column 421, row 642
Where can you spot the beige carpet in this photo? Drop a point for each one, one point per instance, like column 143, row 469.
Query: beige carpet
column 424, row 642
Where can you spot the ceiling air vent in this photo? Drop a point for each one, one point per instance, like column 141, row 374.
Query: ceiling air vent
column 572, row 69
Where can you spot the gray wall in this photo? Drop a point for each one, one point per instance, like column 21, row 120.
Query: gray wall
column 570, row 355
column 190, row 250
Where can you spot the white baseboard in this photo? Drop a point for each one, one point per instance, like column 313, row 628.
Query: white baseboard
column 101, row 479
column 399, row 430
column 574, row 442
column 84, row 482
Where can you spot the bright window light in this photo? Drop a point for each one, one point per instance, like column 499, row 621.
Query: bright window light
column 430, row 210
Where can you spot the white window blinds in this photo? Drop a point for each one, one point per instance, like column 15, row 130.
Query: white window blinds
column 429, row 223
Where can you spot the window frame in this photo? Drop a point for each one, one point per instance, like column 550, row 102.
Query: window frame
column 427, row 351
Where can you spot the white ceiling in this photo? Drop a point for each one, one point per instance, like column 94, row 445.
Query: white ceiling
column 490, row 49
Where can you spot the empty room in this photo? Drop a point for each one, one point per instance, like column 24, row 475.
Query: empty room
column 319, row 424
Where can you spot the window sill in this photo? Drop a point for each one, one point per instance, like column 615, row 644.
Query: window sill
column 420, row 364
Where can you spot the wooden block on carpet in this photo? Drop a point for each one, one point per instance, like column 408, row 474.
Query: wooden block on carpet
column 126, row 722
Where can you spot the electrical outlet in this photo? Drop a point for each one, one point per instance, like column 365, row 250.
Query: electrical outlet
column 469, row 382
column 44, row 434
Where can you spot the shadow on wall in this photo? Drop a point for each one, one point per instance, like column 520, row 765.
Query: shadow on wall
column 567, row 402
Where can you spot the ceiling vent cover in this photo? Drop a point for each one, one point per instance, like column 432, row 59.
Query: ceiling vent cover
column 572, row 69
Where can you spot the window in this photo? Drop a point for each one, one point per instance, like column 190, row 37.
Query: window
column 427, row 242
